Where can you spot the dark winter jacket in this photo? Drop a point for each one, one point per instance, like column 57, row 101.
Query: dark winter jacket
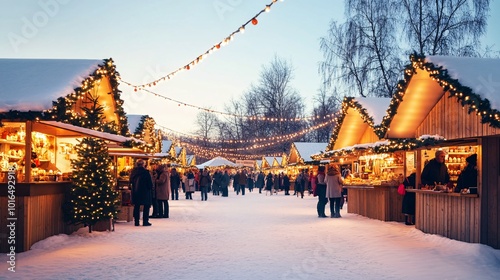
column 467, row 178
column 142, row 185
column 435, row 172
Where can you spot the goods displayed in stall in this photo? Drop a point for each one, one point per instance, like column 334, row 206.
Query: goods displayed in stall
column 50, row 158
column 377, row 169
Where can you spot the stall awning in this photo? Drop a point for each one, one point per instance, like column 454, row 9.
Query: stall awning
column 60, row 129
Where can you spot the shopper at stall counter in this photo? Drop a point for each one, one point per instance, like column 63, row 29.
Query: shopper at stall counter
column 468, row 176
column 408, row 205
column 142, row 186
column 435, row 171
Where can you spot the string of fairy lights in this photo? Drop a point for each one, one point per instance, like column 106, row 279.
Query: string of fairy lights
column 213, row 152
column 232, row 152
column 211, row 50
column 275, row 139
column 250, row 118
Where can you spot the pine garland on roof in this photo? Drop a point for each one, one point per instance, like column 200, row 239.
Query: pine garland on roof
column 348, row 102
column 464, row 94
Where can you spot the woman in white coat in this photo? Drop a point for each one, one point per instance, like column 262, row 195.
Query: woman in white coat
column 334, row 186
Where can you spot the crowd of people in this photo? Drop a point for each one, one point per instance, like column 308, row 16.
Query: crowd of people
column 153, row 187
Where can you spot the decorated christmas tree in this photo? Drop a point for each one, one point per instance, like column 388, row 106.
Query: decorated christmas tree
column 92, row 197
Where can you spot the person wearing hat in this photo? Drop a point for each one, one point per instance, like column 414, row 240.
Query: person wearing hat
column 468, row 176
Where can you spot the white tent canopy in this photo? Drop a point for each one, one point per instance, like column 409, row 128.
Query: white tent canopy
column 216, row 162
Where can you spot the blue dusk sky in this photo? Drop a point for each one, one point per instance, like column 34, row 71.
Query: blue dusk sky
column 150, row 39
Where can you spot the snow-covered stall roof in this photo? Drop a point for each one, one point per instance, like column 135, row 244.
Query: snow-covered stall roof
column 305, row 150
column 375, row 106
column 165, row 146
column 67, row 130
column 178, row 151
column 360, row 116
column 32, row 84
column 468, row 80
column 133, row 122
column 267, row 162
column 190, row 159
column 482, row 75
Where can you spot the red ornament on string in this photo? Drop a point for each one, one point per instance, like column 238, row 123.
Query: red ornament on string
column 218, row 46
column 135, row 89
column 255, row 21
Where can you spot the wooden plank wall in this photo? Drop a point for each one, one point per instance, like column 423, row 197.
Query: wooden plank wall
column 452, row 216
column 38, row 217
column 490, row 192
column 451, row 121
column 379, row 203
column 5, row 232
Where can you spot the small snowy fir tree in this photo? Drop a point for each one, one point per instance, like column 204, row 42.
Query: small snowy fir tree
column 92, row 197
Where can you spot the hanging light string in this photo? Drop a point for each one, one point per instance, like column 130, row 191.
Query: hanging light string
column 211, row 153
column 214, row 48
column 275, row 139
column 179, row 135
column 250, row 118
column 275, row 142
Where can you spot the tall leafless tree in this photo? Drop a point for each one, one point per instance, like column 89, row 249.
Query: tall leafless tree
column 445, row 27
column 325, row 105
column 207, row 126
column 363, row 52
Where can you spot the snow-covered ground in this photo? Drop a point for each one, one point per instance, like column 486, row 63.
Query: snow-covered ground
column 255, row 237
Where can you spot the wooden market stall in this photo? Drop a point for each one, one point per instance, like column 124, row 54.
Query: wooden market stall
column 452, row 97
column 39, row 98
column 299, row 158
column 375, row 170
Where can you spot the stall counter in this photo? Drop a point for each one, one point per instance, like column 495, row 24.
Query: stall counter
column 451, row 215
column 375, row 201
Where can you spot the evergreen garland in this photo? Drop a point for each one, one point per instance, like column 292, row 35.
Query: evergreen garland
column 348, row 102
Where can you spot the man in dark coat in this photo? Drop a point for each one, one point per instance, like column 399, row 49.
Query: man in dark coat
column 260, row 181
column 224, row 183
column 286, row 184
column 435, row 171
column 142, row 185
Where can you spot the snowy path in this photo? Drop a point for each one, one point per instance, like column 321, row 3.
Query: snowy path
column 255, row 237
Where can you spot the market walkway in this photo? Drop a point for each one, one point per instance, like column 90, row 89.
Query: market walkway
column 255, row 237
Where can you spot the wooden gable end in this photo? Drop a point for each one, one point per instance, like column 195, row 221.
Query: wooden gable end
column 452, row 121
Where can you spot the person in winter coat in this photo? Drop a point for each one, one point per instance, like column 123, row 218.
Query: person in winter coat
column 142, row 186
column 334, row 185
column 276, row 183
column 163, row 190
column 468, row 176
column 216, row 182
column 269, row 183
column 321, row 192
column 300, row 184
column 435, row 171
column 286, row 184
column 224, row 183
column 205, row 181
column 242, row 182
column 408, row 205
column 175, row 183
column 190, row 185
column 259, row 183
